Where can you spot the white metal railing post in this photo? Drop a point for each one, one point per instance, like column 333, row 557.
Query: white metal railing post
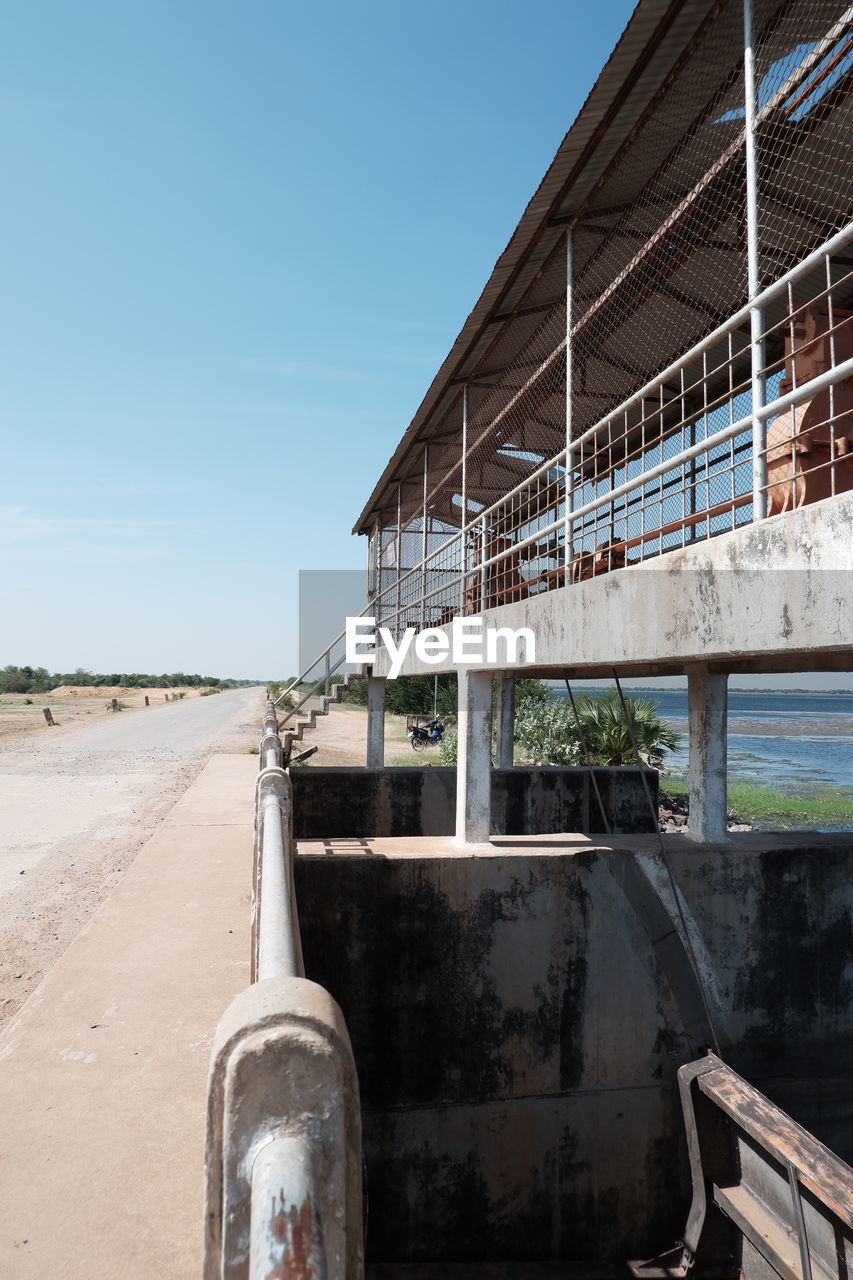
column 483, row 556
column 756, row 314
column 570, row 272
column 424, row 540
column 398, row 555
column 378, row 569
column 463, row 547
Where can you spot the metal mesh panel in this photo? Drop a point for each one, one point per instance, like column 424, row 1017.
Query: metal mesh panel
column 517, row 403
column 659, row 254
column 804, row 69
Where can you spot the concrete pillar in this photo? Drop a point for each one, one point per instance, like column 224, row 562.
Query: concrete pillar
column 506, row 721
column 707, row 722
column 375, row 722
column 474, row 760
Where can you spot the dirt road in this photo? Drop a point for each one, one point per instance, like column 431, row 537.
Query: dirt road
column 77, row 804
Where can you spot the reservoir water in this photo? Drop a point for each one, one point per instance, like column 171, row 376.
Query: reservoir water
column 790, row 740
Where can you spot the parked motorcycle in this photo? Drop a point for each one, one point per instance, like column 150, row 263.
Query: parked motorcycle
column 425, row 735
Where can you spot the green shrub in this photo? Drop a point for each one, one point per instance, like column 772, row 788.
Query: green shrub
column 448, row 748
column 550, row 735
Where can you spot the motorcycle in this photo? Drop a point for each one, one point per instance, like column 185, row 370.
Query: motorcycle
column 425, row 735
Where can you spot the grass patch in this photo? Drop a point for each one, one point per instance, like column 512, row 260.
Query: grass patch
column 817, row 807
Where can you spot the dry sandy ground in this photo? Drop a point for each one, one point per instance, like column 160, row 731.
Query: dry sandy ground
column 79, row 801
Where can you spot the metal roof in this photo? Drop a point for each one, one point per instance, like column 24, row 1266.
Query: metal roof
column 655, row 38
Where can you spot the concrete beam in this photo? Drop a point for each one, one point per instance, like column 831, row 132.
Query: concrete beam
column 375, row 722
column 474, row 760
column 774, row 595
column 707, row 718
column 506, row 721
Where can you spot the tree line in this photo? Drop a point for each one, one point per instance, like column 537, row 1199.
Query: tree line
column 39, row 680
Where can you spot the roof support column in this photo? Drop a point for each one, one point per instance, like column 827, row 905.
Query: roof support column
column 398, row 556
column 424, row 541
column 375, row 722
column 506, row 721
column 474, row 758
column 463, row 548
column 570, row 273
column 707, row 721
column 756, row 315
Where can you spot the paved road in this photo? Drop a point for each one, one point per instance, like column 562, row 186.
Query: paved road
column 195, row 724
column 77, row 804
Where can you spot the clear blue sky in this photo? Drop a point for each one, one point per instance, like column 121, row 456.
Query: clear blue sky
column 238, row 241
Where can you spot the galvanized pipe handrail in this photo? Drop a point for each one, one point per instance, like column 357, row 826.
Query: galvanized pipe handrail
column 330, row 671
column 286, row 1208
column 323, row 653
column 279, row 953
column 278, row 938
column 285, row 1222
column 767, row 295
column 806, row 391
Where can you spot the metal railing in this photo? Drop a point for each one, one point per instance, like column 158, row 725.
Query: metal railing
column 674, row 464
column 768, row 1198
column 283, row 1149
column 278, row 951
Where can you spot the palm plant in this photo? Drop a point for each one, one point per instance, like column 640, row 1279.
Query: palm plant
column 605, row 727
column 549, row 734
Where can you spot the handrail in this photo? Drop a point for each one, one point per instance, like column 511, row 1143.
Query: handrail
column 278, row 947
column 772, row 291
column 758, row 1167
column 328, row 650
column 323, row 678
column 283, row 1148
column 567, row 521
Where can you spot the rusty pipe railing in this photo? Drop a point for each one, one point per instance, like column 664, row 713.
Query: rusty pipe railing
column 286, row 1232
column 283, row 1183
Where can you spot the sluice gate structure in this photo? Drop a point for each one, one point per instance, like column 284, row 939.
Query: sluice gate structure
column 562, row 1044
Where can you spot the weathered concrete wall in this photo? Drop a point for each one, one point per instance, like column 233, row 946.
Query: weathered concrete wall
column 777, row 591
column 517, row 1021
column 340, row 802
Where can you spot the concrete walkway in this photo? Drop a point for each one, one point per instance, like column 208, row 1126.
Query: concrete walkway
column 103, row 1071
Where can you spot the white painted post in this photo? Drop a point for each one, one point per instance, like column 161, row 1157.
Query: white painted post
column 424, row 541
column 756, row 315
column 567, row 533
column 707, row 725
column 463, row 537
column 506, row 721
column 375, row 722
column 474, row 759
